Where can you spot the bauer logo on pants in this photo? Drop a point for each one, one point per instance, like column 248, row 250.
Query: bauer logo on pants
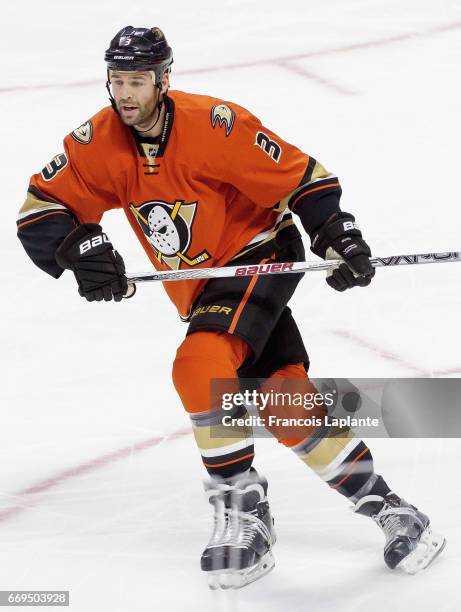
column 217, row 308
column 168, row 228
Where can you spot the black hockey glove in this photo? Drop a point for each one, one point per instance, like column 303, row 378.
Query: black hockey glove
column 98, row 268
column 341, row 238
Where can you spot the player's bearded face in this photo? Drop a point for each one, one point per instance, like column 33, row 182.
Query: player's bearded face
column 135, row 97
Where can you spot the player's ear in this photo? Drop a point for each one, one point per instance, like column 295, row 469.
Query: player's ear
column 165, row 81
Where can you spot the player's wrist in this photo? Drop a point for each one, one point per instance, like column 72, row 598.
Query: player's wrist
column 341, row 238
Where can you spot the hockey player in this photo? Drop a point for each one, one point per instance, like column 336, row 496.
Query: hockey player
column 203, row 182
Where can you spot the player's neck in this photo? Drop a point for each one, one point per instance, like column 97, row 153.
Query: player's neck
column 143, row 129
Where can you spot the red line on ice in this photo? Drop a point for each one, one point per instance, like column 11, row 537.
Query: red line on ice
column 84, row 468
column 368, row 44
column 420, row 372
column 316, row 78
column 380, row 351
column 446, row 372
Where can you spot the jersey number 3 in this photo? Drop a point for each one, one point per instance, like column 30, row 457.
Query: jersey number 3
column 270, row 147
column 58, row 163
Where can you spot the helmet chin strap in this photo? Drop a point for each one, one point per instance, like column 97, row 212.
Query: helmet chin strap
column 111, row 97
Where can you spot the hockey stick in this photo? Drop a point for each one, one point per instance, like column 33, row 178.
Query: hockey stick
column 288, row 267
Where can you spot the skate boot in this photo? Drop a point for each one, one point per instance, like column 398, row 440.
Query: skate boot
column 240, row 548
column 410, row 545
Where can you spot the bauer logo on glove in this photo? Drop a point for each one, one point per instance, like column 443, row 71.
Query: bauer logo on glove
column 94, row 242
column 350, row 225
column 340, row 238
column 98, row 268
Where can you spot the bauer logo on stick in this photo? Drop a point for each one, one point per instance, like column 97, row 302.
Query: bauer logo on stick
column 264, row 269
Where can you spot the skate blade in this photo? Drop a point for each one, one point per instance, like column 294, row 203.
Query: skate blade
column 236, row 579
column 429, row 547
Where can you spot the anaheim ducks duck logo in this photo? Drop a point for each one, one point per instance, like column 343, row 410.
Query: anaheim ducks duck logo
column 223, row 115
column 84, row 133
column 168, row 228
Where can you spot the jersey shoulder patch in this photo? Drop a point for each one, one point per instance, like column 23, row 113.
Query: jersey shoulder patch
column 224, row 116
column 84, row 133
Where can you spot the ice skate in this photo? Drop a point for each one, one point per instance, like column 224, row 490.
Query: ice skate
column 411, row 545
column 240, row 548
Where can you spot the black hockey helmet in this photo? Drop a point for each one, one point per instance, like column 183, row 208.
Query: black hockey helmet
column 140, row 49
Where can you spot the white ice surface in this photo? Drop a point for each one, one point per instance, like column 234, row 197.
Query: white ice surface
column 373, row 94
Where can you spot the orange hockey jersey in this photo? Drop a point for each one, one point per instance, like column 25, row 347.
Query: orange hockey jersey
column 215, row 182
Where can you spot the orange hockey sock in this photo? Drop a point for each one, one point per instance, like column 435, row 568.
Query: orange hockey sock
column 203, row 356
